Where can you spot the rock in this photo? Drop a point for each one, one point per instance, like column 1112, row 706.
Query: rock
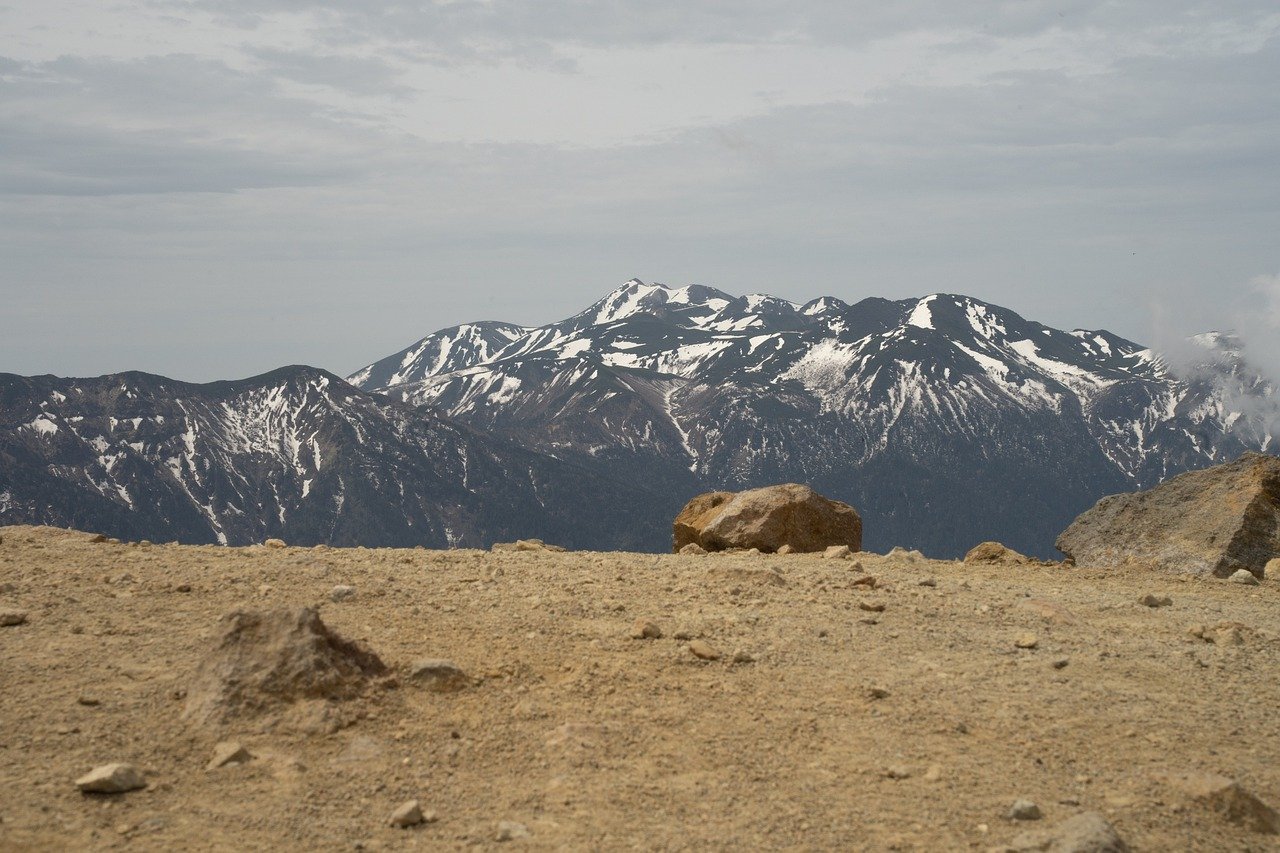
column 228, row 752
column 1024, row 810
column 264, row 662
column 510, row 830
column 274, row 543
column 407, row 814
column 1088, row 832
column 877, row 693
column 743, row 657
column 341, row 592
column 768, row 518
column 537, row 545
column 1050, row 610
column 704, row 650
column 996, row 554
column 837, row 552
column 1243, row 576
column 1027, row 641
column 1061, row 663
column 1215, row 521
column 933, row 774
column 898, row 771
column 643, row 629
column 693, row 549
column 1271, row 571
column 111, row 779
column 438, row 676
column 785, row 549
column 1222, row 634
column 1157, row 600
column 10, row 617
column 871, row 606
column 1227, row 798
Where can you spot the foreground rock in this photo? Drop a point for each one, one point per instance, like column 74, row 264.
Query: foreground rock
column 995, row 553
column 1088, row 832
column 438, row 676
column 111, row 779
column 1216, row 521
column 768, row 519
column 265, row 662
column 1228, row 799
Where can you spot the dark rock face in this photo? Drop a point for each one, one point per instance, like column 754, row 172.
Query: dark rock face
column 769, row 518
column 267, row 660
column 1215, row 521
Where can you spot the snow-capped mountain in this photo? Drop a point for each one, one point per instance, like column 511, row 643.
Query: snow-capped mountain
column 297, row 454
column 945, row 420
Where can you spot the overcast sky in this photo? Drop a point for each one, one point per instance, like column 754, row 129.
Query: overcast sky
column 213, row 188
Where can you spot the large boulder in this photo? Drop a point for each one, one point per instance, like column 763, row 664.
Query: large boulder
column 768, row 519
column 1215, row 521
column 266, row 663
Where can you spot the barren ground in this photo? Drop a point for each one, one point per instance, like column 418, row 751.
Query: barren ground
column 594, row 740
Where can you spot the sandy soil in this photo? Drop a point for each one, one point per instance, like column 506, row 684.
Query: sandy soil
column 592, row 740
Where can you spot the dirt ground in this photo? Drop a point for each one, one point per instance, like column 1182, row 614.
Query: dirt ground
column 911, row 728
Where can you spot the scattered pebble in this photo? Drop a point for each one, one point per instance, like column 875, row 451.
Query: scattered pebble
column 10, row 617
column 274, row 543
column 876, row 692
column 743, row 657
column 1155, row 600
column 510, row 830
column 1027, row 641
column 928, row 582
column 837, row 552
column 871, row 606
column 704, row 650
column 228, row 753
column 438, row 675
column 1061, row 663
column 407, row 814
column 111, row 779
column 693, row 549
column 934, row 773
column 1024, row 810
column 1088, row 832
column 341, row 592
column 644, row 629
column 785, row 550
column 1244, row 576
column 897, row 771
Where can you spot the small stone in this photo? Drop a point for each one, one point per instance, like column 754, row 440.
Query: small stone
column 341, row 592
column 274, row 543
column 876, row 692
column 743, row 657
column 785, row 550
column 1088, row 832
column 865, row 580
column 1061, row 663
column 934, row 773
column 683, row 635
column 704, row 650
column 97, row 539
column 871, row 606
column 111, row 779
column 644, row 629
column 89, row 701
column 1027, row 641
column 10, row 617
column 227, row 753
column 1155, row 600
column 928, row 582
column 1244, row 576
column 510, row 830
column 1024, row 810
column 437, row 675
column 1271, row 571
column 693, row 549
column 897, row 771
column 837, row 552
column 182, row 587
column 407, row 815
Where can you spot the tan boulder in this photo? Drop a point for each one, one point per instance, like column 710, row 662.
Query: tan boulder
column 767, row 519
column 995, row 553
column 1215, row 521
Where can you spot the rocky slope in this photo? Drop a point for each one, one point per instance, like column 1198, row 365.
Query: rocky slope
column 944, row 420
column 909, row 715
column 296, row 453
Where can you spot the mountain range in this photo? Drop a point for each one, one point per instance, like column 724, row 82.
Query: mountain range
column 945, row 420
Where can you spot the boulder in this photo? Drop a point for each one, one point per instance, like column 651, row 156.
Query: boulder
column 1215, row 521
column 1227, row 798
column 264, row 662
column 995, row 553
column 767, row 519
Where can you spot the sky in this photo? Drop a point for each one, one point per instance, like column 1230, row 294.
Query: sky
column 210, row 189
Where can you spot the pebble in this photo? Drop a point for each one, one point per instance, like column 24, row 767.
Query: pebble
column 743, row 657
column 1024, row 810
column 837, row 552
column 438, row 675
column 704, row 650
column 9, row 617
column 644, row 629
column 408, row 814
column 865, row 580
column 878, row 693
column 341, row 592
column 1271, row 571
column 1087, row 832
column 785, row 550
column 509, row 830
column 1244, row 576
column 1155, row 600
column 871, row 606
column 111, row 779
column 693, row 549
column 182, row 587
column 1027, row 641
column 227, row 753
column 1061, row 663
column 934, row 773
column 274, row 543
column 897, row 771
column 928, row 582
